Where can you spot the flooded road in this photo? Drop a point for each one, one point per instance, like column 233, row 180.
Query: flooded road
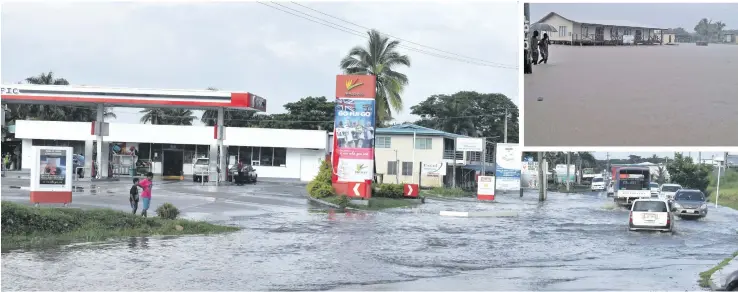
column 681, row 95
column 571, row 242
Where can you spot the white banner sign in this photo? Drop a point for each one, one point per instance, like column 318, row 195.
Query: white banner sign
column 433, row 168
column 469, row 144
column 508, row 163
column 486, row 187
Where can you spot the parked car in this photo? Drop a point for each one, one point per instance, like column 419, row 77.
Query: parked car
column 668, row 191
column 654, row 189
column 598, row 184
column 611, row 188
column 249, row 175
column 200, row 169
column 731, row 282
column 690, row 204
column 651, row 214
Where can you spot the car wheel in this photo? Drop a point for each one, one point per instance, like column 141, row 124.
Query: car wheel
column 732, row 286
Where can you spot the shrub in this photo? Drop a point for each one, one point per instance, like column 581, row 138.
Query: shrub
column 343, row 201
column 394, row 191
column 167, row 211
column 321, row 186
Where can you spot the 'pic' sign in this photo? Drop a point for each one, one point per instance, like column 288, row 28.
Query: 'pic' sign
column 9, row 90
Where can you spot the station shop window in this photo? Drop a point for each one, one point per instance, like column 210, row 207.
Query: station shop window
column 77, row 146
column 202, row 151
column 144, row 151
column 265, row 156
column 189, row 153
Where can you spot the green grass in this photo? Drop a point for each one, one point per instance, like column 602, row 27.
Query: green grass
column 447, row 193
column 31, row 227
column 728, row 189
column 705, row 276
column 375, row 203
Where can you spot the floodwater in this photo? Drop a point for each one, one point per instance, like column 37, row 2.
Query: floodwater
column 571, row 242
column 681, row 95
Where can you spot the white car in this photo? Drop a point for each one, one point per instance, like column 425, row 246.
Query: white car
column 654, row 189
column 200, row 169
column 668, row 191
column 651, row 214
column 598, row 184
column 611, row 188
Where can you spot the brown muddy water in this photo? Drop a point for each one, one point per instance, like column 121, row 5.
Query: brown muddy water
column 681, row 95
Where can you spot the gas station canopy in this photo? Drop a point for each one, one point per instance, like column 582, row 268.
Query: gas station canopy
column 130, row 97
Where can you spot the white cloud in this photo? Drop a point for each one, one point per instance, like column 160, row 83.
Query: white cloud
column 251, row 47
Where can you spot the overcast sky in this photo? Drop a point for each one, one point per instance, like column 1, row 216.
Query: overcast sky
column 672, row 15
column 255, row 48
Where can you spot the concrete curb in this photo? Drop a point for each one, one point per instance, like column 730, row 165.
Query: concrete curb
column 479, row 214
column 717, row 279
column 324, row 203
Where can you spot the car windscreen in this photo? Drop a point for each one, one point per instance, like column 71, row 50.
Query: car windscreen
column 598, row 179
column 649, row 206
column 689, row 196
column 654, row 185
column 670, row 189
column 201, row 162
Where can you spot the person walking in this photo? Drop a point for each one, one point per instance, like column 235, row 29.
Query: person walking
column 534, row 47
column 543, row 47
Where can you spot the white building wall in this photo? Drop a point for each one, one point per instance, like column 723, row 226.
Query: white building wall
column 404, row 146
column 557, row 22
column 305, row 148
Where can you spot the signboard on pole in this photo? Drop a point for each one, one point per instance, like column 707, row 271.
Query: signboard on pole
column 433, row 169
column 51, row 175
column 353, row 153
column 529, row 175
column 561, row 173
column 411, row 190
column 470, row 144
column 508, row 161
column 486, row 188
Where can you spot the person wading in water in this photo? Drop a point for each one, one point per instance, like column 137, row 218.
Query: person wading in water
column 534, row 47
column 543, row 46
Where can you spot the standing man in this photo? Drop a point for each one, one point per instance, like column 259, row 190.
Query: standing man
column 80, row 164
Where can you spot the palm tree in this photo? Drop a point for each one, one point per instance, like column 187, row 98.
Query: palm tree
column 380, row 58
column 154, row 116
column 180, row 116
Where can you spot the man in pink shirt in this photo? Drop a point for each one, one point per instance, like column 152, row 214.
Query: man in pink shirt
column 146, row 185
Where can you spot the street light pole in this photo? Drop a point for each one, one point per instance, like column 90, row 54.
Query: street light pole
column 717, row 192
column 397, row 167
column 568, row 161
column 505, row 125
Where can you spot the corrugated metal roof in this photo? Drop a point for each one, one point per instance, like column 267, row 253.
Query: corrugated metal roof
column 623, row 23
column 409, row 129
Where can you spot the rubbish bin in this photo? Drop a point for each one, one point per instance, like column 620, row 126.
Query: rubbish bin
column 132, row 171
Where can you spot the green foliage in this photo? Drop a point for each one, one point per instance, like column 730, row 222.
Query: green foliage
column 469, row 113
column 167, row 211
column 167, row 116
column 728, row 188
column 393, row 191
column 343, row 201
column 308, row 113
column 685, row 172
column 380, row 58
column 321, row 186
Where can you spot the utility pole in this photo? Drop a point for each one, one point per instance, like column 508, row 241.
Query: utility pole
column 505, row 125
column 699, row 157
column 568, row 161
column 541, row 178
column 484, row 156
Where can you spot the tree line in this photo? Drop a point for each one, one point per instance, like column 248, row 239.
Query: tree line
column 705, row 30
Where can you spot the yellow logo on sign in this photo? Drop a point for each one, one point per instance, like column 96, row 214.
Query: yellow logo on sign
column 351, row 84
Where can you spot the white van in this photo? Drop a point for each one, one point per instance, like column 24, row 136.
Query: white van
column 598, row 183
column 651, row 214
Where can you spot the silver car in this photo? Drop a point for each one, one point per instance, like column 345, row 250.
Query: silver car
column 731, row 282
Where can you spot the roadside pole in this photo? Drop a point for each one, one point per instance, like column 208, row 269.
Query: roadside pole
column 484, row 156
column 453, row 167
column 412, row 173
column 541, row 178
column 505, row 128
column 568, row 161
column 717, row 193
column 397, row 169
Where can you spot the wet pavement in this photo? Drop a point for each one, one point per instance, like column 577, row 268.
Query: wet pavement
column 634, row 96
column 571, row 242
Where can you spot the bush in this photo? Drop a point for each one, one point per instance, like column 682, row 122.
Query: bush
column 167, row 211
column 321, row 186
column 343, row 201
column 393, row 191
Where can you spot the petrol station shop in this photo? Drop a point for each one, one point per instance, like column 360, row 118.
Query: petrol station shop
column 172, row 150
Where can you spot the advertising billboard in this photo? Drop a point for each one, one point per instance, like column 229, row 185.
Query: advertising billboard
column 529, row 175
column 354, row 125
column 51, row 175
column 508, row 161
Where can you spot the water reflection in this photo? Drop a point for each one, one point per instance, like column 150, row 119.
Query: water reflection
column 136, row 243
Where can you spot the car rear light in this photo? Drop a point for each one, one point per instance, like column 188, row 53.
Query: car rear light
column 631, row 216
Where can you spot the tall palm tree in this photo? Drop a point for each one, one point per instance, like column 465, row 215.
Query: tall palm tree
column 180, row 116
column 154, row 116
column 167, row 116
column 380, row 58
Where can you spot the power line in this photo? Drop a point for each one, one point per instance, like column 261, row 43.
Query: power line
column 361, row 34
column 389, row 35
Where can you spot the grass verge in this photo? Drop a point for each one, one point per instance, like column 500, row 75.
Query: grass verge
column 728, row 189
column 705, row 276
column 376, row 203
column 30, row 227
column 447, row 193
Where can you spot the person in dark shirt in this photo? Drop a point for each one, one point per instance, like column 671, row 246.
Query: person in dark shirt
column 133, row 198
